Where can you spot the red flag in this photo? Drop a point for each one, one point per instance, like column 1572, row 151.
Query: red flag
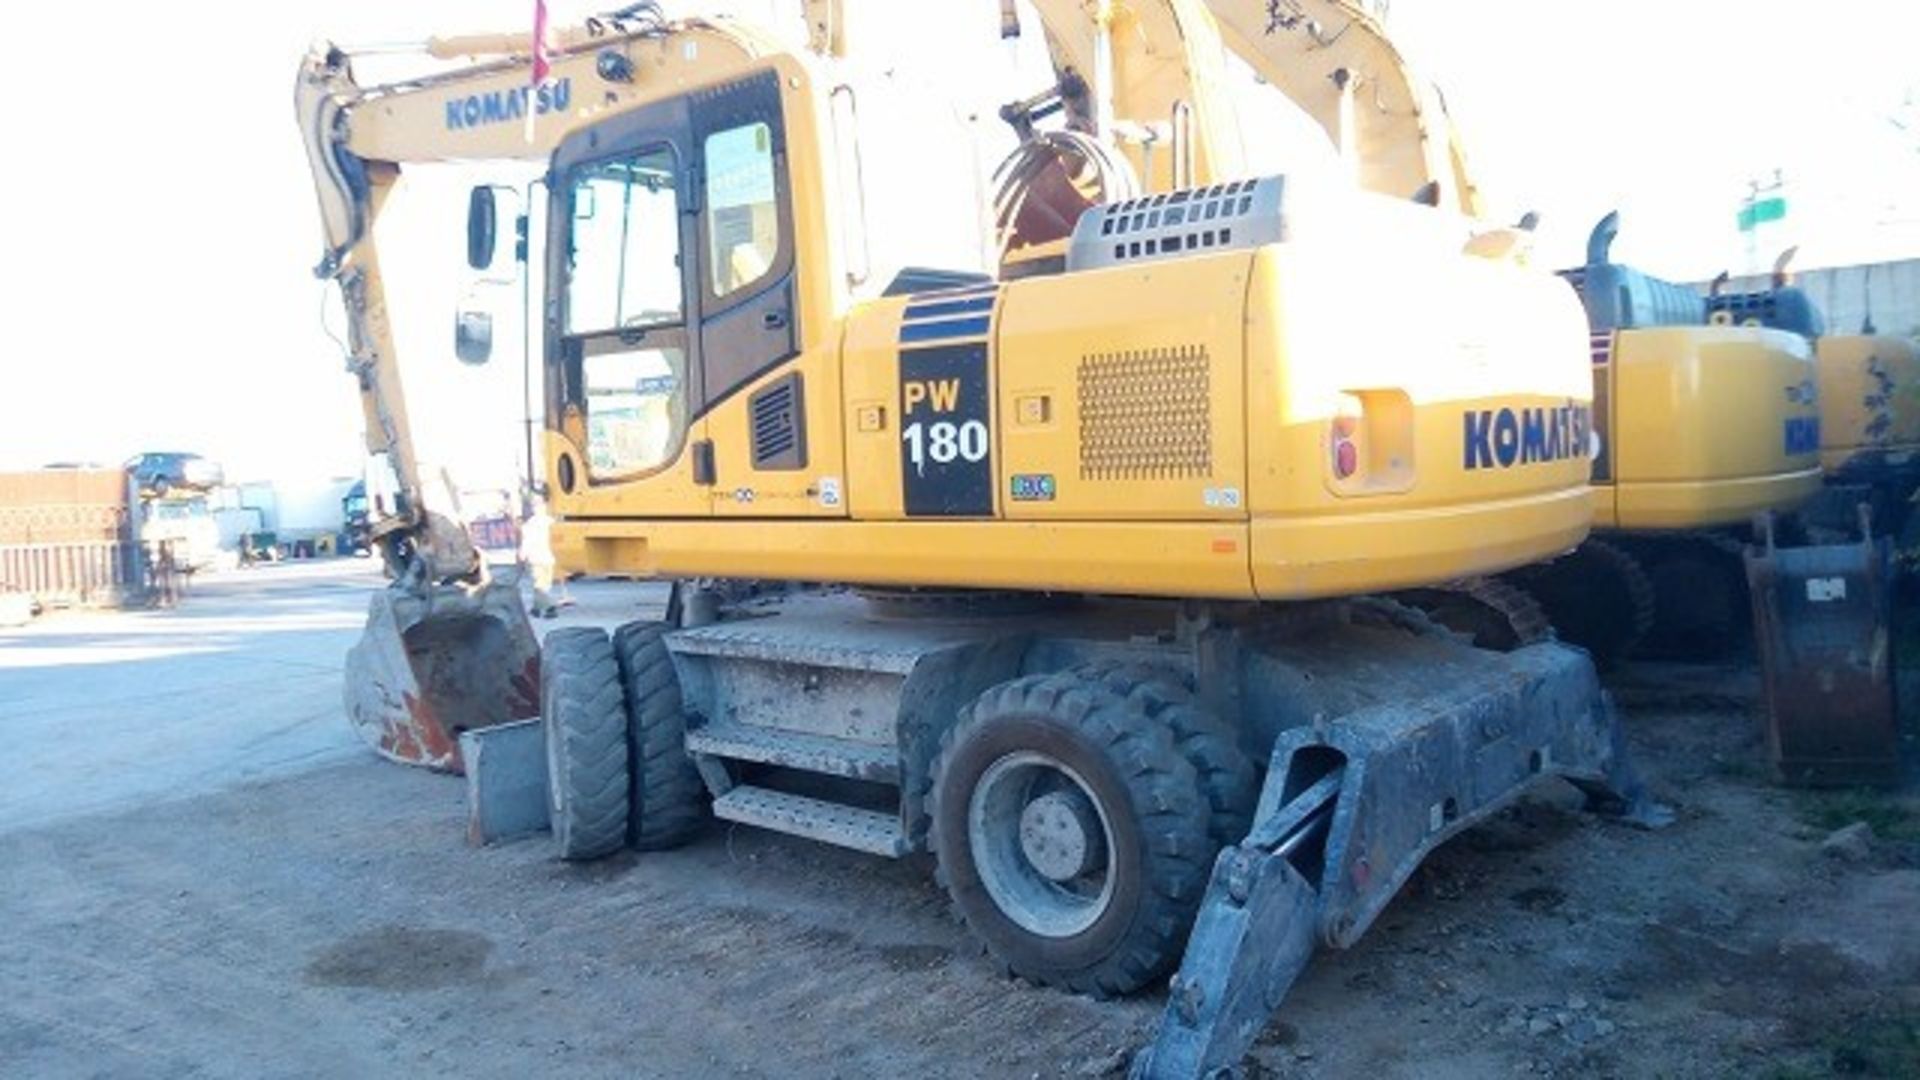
column 541, row 68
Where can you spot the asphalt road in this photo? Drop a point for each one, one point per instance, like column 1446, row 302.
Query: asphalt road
column 240, row 684
column 202, row 872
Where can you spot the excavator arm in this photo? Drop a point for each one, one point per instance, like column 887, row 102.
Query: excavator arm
column 1157, row 69
column 1335, row 60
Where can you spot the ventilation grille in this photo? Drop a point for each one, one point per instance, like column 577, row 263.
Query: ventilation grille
column 1146, row 414
column 1243, row 214
column 777, row 413
column 1746, row 306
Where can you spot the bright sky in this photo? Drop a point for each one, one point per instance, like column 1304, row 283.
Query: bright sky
column 163, row 225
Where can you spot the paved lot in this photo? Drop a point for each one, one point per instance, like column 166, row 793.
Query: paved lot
column 241, row 683
column 203, row 874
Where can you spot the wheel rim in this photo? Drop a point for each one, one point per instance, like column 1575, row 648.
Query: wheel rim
column 1042, row 844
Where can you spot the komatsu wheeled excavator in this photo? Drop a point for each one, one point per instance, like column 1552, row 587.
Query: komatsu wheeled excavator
column 1109, row 544
column 1699, row 426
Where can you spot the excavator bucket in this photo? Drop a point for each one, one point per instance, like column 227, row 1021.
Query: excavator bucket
column 430, row 666
column 1824, row 619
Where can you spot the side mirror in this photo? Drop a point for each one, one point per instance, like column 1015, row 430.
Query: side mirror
column 473, row 337
column 483, row 222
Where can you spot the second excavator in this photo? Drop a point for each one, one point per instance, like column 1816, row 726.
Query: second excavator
column 1698, row 427
column 1869, row 386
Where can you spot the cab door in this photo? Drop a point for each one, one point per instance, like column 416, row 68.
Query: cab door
column 624, row 374
column 771, row 403
column 676, row 353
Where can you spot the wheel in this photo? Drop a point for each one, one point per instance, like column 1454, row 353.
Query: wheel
column 665, row 793
column 581, row 706
column 1070, row 832
column 1228, row 778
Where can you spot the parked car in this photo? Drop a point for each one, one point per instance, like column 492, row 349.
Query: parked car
column 158, row 473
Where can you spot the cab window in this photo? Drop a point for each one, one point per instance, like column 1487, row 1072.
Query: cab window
column 742, row 208
column 626, row 313
column 636, row 410
column 623, row 269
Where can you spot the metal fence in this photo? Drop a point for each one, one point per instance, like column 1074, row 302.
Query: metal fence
column 76, row 573
column 70, row 538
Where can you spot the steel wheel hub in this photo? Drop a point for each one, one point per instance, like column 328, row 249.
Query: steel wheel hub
column 1040, row 842
column 1060, row 835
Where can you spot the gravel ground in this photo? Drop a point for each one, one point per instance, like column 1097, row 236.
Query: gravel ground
column 202, row 875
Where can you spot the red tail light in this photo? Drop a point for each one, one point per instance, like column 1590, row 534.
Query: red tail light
column 1346, row 455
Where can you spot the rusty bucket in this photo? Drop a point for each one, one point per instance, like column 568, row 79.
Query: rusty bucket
column 431, row 665
column 1823, row 619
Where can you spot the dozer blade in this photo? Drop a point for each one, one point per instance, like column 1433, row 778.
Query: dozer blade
column 1350, row 808
column 429, row 666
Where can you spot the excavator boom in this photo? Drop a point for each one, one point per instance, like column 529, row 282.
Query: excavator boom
column 1335, row 60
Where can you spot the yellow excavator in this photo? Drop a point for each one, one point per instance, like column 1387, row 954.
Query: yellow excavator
column 1703, row 427
column 1699, row 426
column 1869, row 386
column 1109, row 544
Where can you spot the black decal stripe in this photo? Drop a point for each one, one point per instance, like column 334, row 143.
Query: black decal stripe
column 920, row 311
column 944, row 331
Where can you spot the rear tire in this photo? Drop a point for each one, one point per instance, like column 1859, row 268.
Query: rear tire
column 582, row 709
column 664, row 806
column 1228, row 777
column 1114, row 917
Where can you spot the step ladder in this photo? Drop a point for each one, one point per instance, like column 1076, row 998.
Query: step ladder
column 816, row 690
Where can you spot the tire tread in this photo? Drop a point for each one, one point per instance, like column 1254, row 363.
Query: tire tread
column 667, row 805
column 584, row 714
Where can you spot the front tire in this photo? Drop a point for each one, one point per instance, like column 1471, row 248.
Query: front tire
column 583, row 710
column 1071, row 833
column 664, row 808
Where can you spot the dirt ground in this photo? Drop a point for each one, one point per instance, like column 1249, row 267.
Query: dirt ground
column 323, row 917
